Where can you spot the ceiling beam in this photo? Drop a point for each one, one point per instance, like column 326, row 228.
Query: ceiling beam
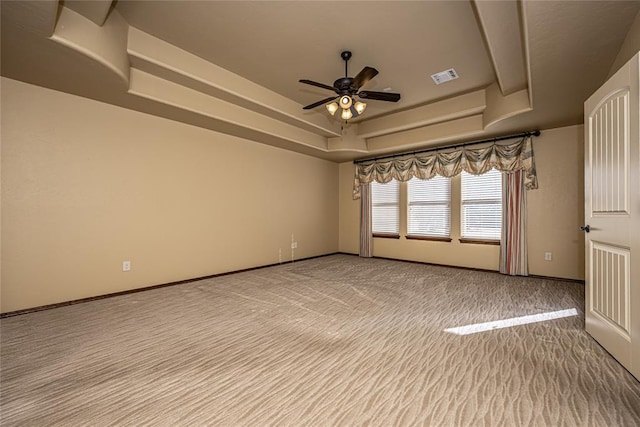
column 500, row 25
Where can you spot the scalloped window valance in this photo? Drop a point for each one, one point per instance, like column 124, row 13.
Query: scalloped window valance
column 504, row 157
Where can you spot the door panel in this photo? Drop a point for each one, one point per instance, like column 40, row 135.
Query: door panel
column 610, row 292
column 610, row 155
column 612, row 203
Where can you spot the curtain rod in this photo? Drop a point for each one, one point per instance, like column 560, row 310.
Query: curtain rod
column 463, row 144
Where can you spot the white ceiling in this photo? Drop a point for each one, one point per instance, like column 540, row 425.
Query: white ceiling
column 234, row 66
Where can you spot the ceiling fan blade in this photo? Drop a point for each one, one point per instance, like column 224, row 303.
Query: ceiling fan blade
column 380, row 96
column 363, row 77
column 315, row 104
column 323, row 86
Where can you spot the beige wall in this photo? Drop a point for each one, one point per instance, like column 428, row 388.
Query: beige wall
column 555, row 212
column 556, row 208
column 630, row 47
column 86, row 185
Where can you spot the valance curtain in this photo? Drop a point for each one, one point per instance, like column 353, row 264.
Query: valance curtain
column 504, row 157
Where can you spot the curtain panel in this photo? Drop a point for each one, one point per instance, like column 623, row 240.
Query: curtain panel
column 504, row 157
column 513, row 242
column 366, row 233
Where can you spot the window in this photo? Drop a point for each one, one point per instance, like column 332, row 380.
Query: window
column 429, row 212
column 385, row 202
column 482, row 205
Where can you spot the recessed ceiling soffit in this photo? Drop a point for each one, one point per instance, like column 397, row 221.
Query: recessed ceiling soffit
column 157, row 77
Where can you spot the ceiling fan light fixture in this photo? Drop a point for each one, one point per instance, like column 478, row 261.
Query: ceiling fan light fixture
column 345, row 102
column 332, row 108
column 360, row 107
column 346, row 88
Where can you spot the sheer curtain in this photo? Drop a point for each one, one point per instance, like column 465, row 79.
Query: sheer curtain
column 366, row 233
column 513, row 243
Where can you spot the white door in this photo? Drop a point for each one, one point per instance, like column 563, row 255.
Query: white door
column 612, row 213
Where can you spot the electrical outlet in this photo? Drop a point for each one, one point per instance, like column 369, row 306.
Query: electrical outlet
column 548, row 256
column 126, row 265
column 294, row 245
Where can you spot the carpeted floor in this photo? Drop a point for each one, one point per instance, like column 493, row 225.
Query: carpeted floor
column 337, row 340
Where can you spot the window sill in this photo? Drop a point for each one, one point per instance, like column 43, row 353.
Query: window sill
column 386, row 235
column 431, row 238
column 480, row 241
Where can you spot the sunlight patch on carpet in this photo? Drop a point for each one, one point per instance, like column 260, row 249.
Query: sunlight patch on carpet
column 514, row 321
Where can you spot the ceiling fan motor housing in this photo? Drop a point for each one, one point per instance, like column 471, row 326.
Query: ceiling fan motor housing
column 343, row 86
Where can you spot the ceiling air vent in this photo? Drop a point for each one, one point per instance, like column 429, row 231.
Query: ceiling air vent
column 444, row 76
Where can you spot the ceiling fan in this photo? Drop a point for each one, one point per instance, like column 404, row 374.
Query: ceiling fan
column 347, row 88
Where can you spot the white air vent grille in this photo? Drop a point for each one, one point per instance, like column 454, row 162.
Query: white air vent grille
column 444, row 76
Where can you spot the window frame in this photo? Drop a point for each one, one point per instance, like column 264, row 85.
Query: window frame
column 479, row 238
column 445, row 204
column 396, row 204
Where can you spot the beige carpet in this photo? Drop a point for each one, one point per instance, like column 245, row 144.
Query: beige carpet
column 336, row 340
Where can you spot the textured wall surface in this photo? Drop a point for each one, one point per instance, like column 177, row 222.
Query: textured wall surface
column 86, row 186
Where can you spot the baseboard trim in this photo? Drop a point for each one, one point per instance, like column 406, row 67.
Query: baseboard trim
column 557, row 279
column 535, row 276
column 148, row 288
column 438, row 265
column 195, row 279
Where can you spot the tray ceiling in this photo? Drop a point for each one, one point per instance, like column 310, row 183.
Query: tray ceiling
column 234, row 66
